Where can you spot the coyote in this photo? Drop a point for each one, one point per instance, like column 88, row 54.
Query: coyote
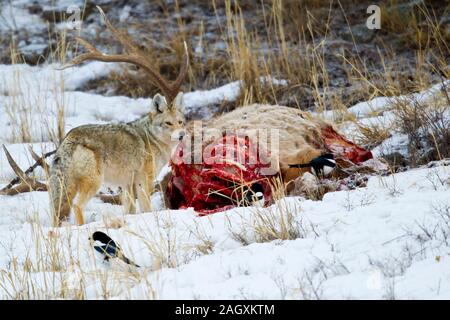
column 126, row 154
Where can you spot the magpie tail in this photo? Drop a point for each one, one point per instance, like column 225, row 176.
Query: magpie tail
column 128, row 261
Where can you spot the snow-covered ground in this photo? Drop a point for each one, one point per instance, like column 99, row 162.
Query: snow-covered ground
column 387, row 240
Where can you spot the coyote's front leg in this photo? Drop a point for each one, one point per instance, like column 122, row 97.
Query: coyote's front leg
column 144, row 191
column 129, row 197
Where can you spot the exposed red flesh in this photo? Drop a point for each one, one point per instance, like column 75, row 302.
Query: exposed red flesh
column 339, row 146
column 217, row 183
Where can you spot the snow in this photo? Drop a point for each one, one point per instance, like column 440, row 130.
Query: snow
column 354, row 244
column 396, row 143
column 381, row 104
column 201, row 99
column 15, row 16
column 387, row 240
column 21, row 75
column 363, row 109
column 62, row 5
column 228, row 92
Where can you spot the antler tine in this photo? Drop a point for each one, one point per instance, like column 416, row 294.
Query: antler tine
column 122, row 37
column 169, row 90
column 14, row 165
column 28, row 171
column 135, row 56
column 35, row 156
column 175, row 86
column 39, row 160
column 27, row 184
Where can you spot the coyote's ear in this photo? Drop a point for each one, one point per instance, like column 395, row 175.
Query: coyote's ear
column 159, row 103
column 179, row 102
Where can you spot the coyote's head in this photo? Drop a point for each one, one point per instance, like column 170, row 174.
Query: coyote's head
column 168, row 120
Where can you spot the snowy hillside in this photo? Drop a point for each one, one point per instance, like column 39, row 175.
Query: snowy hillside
column 387, row 240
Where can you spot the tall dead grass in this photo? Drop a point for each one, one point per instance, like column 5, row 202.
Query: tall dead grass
column 297, row 41
column 30, row 100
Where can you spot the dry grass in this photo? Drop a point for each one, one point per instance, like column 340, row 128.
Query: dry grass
column 373, row 135
column 23, row 102
column 427, row 125
column 296, row 41
column 281, row 221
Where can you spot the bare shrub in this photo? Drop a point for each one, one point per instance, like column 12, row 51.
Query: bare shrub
column 427, row 127
column 280, row 221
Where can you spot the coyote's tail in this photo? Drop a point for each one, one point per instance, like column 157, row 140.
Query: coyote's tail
column 60, row 199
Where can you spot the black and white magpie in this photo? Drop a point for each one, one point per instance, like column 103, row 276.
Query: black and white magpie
column 321, row 165
column 108, row 248
column 255, row 195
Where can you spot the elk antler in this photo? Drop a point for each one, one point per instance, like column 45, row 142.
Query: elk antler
column 134, row 55
column 25, row 183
